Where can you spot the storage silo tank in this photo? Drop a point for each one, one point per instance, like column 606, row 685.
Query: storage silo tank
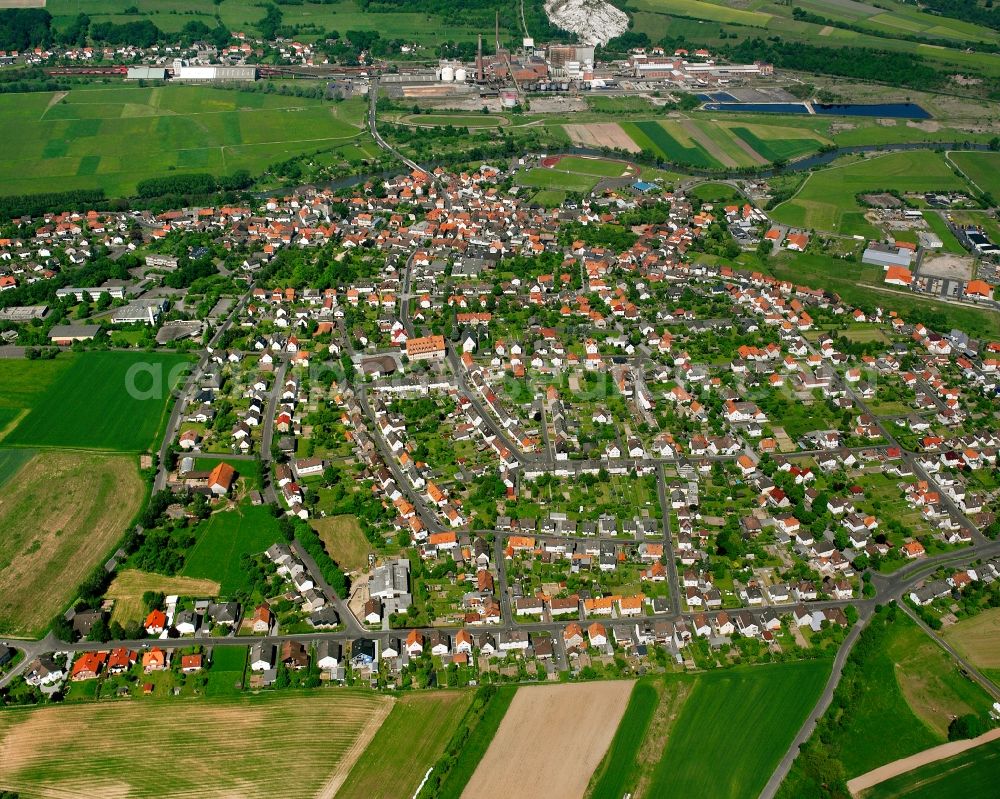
column 448, row 74
column 460, row 75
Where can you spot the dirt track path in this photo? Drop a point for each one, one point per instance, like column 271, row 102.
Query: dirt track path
column 932, row 755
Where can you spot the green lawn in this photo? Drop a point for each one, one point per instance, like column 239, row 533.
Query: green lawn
column 983, row 169
column 549, row 198
column 735, row 727
column 827, row 201
column 111, row 138
column 948, row 240
column 617, row 775
column 113, row 401
column 408, row 743
column 224, row 538
column 225, row 678
column 969, row 775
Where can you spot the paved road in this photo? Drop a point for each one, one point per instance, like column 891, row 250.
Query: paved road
column 184, row 394
column 372, row 114
column 771, row 788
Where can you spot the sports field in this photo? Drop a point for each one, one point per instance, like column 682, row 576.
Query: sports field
column 545, row 178
column 827, row 200
column 408, row 743
column 113, row 401
column 344, row 541
column 111, row 138
column 60, row 517
column 129, row 585
column 767, row 702
column 237, row 746
column 224, row 538
column 970, row 775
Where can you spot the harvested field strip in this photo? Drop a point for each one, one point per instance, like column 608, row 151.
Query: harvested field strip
column 53, row 538
column 203, row 748
column 406, row 745
column 129, row 586
column 541, row 728
column 717, row 144
column 673, row 150
column 601, row 134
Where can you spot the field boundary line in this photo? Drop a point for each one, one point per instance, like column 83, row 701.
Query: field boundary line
column 954, row 165
column 907, row 764
column 354, row 752
column 14, row 423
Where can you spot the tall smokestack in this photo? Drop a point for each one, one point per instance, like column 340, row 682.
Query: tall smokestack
column 498, row 32
column 479, row 60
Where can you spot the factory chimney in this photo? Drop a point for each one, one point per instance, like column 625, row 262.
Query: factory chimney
column 479, row 60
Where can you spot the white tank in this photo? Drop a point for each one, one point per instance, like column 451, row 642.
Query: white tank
column 448, row 74
column 460, row 75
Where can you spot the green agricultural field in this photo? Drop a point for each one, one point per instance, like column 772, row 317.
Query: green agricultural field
column 651, row 135
column 111, row 138
column 544, row 178
column 969, row 775
column 777, row 149
column 616, row 776
column 827, row 201
column 476, row 742
column 224, row 538
column 309, row 20
column 983, row 169
column 771, row 701
column 113, row 401
column 408, row 743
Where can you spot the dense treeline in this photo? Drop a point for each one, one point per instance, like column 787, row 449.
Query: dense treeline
column 481, row 13
column 18, row 205
column 312, row 544
column 194, row 183
column 967, row 10
column 23, row 28
column 897, row 69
